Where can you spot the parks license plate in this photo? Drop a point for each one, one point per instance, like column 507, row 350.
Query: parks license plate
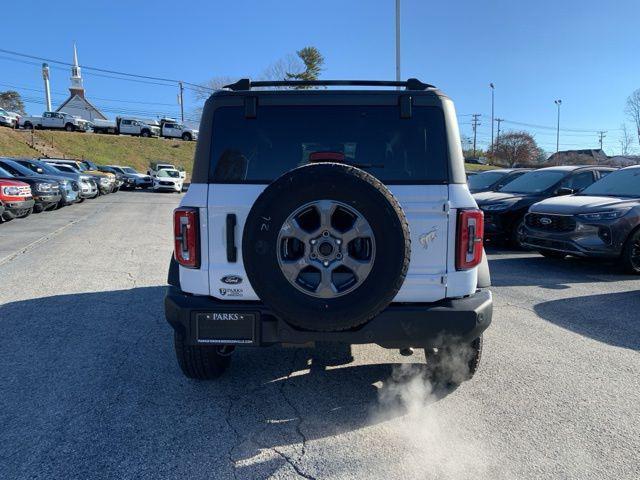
column 225, row 327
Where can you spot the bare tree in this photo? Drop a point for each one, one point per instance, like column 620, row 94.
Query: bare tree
column 626, row 140
column 204, row 91
column 279, row 69
column 633, row 110
column 516, row 148
column 467, row 142
column 11, row 100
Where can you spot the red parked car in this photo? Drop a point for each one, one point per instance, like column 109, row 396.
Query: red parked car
column 16, row 200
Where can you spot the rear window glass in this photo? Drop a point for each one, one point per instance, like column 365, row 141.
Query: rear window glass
column 534, row 182
column 485, row 180
column 623, row 183
column 396, row 150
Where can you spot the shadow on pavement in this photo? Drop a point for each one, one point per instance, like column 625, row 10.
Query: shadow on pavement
column 612, row 318
column 530, row 269
column 91, row 389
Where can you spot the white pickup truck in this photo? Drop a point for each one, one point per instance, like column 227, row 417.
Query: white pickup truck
column 8, row 119
column 55, row 120
column 170, row 128
column 126, row 126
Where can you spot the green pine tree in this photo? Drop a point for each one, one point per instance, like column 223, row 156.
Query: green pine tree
column 313, row 62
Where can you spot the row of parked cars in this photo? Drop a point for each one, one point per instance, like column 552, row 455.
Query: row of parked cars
column 586, row 211
column 30, row 185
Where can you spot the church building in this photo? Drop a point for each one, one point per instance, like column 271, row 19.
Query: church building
column 77, row 104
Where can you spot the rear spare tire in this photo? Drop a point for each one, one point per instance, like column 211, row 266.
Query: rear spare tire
column 326, row 247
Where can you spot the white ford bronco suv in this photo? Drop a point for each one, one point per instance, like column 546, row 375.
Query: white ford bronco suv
column 328, row 215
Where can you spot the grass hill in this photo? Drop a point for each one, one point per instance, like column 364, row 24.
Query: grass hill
column 12, row 145
column 102, row 149
column 108, row 149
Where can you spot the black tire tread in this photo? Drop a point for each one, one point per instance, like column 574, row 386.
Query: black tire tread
column 384, row 301
column 438, row 364
column 201, row 363
column 625, row 259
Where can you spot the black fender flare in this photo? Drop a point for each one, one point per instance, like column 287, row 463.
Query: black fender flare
column 484, row 276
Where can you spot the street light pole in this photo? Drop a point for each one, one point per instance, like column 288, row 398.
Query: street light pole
column 558, row 103
column 493, row 88
column 398, row 41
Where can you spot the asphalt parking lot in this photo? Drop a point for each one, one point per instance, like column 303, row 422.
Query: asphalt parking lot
column 90, row 387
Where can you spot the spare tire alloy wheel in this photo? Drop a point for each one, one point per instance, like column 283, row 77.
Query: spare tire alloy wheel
column 326, row 247
column 322, row 261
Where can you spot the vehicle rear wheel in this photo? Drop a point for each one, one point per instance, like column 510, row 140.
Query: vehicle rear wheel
column 69, row 127
column 28, row 126
column 631, row 253
column 455, row 363
column 326, row 246
column 201, row 362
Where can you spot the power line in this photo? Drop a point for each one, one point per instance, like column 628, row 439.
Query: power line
column 94, row 98
column 102, row 70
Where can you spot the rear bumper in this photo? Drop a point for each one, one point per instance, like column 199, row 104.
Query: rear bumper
column 399, row 326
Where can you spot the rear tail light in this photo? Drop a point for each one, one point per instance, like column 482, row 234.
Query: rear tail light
column 469, row 238
column 187, row 237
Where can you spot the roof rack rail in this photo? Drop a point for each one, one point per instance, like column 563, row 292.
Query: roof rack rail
column 246, row 84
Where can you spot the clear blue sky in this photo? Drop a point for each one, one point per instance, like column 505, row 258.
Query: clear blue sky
column 585, row 52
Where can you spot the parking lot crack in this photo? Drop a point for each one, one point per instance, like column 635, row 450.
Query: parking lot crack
column 293, row 406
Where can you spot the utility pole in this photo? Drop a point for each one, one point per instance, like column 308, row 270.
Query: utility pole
column 181, row 100
column 558, row 103
column 474, row 124
column 398, row 41
column 493, row 88
column 602, row 134
column 498, row 121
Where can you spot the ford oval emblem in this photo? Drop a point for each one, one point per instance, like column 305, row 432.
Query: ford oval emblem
column 231, row 279
column 545, row 221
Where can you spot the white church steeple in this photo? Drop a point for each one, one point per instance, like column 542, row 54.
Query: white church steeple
column 77, row 103
column 76, row 76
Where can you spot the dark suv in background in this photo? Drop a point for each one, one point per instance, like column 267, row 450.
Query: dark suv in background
column 505, row 209
column 86, row 183
column 601, row 221
column 45, row 191
column 492, row 180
